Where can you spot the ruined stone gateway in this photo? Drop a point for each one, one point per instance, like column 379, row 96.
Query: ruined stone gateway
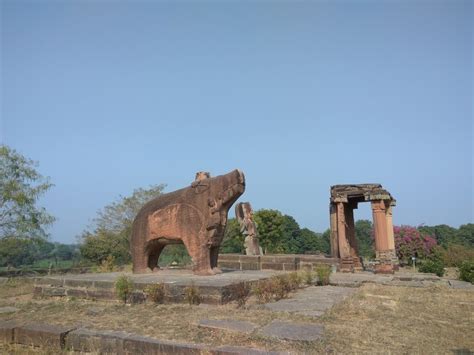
column 343, row 201
column 195, row 216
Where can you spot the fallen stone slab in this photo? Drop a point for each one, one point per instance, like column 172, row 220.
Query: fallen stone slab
column 293, row 331
column 229, row 325
column 4, row 310
column 237, row 350
column 88, row 340
column 143, row 345
column 461, row 285
column 312, row 301
column 43, row 335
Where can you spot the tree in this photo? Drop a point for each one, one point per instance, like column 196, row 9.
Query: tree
column 20, row 188
column 466, row 234
column 233, row 241
column 443, row 234
column 312, row 241
column 364, row 237
column 112, row 227
column 270, row 226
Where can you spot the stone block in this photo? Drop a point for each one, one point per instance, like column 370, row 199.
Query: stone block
column 249, row 258
column 42, row 335
column 277, row 259
column 6, row 310
column 137, row 297
column 289, row 267
column 234, row 265
column 77, row 283
column 272, row 266
column 229, row 257
column 49, row 281
column 37, row 291
column 76, row 292
column 87, row 340
column 250, row 266
column 293, row 331
column 7, row 331
column 104, row 284
column 228, row 325
column 54, row 291
column 101, row 294
column 144, row 345
column 240, row 350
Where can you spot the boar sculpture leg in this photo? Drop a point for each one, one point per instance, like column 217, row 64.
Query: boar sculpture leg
column 195, row 216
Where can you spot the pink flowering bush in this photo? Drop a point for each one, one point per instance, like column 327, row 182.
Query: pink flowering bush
column 409, row 241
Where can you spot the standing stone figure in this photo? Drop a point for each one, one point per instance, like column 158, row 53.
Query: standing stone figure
column 248, row 228
column 195, row 216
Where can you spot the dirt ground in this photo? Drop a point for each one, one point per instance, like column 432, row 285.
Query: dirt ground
column 376, row 319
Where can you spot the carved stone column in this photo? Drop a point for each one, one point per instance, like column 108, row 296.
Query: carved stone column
column 333, row 237
column 382, row 250
column 390, row 236
column 346, row 263
column 350, row 234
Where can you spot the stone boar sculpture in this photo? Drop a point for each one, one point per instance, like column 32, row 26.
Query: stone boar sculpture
column 195, row 216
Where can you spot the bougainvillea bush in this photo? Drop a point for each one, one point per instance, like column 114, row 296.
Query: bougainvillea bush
column 409, row 242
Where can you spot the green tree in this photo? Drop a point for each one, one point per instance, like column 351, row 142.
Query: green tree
column 465, row 235
column 110, row 236
column 292, row 240
column 365, row 241
column 21, row 185
column 312, row 241
column 270, row 226
column 233, row 241
column 444, row 234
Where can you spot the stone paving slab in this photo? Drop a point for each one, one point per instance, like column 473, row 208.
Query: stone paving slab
column 44, row 335
column 229, row 325
column 461, row 285
column 168, row 276
column 293, row 331
column 4, row 310
column 237, row 350
column 312, row 301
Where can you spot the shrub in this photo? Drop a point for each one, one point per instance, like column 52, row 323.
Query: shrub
column 434, row 262
column 123, row 287
column 323, row 272
column 242, row 293
column 456, row 254
column 295, row 280
column 409, row 242
column 107, row 265
column 466, row 271
column 308, row 277
column 264, row 291
column 191, row 294
column 156, row 292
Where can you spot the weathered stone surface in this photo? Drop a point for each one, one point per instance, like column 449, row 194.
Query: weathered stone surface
column 7, row 331
column 293, row 331
column 54, row 291
column 461, row 285
column 3, row 280
column 237, row 350
column 43, row 335
column 101, row 294
column 143, row 345
column 76, row 292
column 94, row 340
column 4, row 310
column 312, row 301
column 195, row 216
column 229, row 325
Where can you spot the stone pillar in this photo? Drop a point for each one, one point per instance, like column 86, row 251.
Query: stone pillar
column 350, row 233
column 390, row 236
column 333, row 236
column 346, row 261
column 382, row 250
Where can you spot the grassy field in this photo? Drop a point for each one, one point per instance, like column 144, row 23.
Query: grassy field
column 376, row 319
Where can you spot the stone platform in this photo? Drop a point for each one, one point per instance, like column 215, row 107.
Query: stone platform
column 217, row 289
column 282, row 262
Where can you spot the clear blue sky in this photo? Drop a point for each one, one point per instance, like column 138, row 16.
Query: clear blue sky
column 109, row 96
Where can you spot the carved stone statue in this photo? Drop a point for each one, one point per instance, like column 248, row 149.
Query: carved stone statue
column 248, row 227
column 195, row 216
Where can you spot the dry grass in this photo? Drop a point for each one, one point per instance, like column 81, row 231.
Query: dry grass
column 376, row 319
